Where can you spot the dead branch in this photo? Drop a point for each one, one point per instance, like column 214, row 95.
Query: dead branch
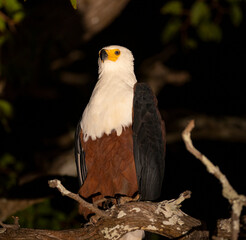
column 97, row 15
column 57, row 184
column 226, row 128
column 157, row 74
column 223, row 229
column 14, row 226
column 164, row 218
column 237, row 201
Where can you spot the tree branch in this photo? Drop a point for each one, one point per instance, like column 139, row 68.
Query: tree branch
column 154, row 71
column 225, row 128
column 96, row 15
column 237, row 201
column 164, row 218
column 57, row 184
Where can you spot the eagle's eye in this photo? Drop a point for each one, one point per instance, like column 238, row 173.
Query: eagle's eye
column 117, row 52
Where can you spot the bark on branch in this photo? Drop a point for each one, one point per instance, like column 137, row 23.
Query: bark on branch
column 164, row 218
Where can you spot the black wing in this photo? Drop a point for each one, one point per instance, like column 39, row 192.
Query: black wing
column 79, row 156
column 148, row 142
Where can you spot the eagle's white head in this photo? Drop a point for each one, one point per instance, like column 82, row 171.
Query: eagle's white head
column 115, row 58
column 110, row 105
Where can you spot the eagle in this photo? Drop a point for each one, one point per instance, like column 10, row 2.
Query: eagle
column 120, row 138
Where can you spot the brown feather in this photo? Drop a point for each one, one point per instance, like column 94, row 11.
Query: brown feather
column 110, row 166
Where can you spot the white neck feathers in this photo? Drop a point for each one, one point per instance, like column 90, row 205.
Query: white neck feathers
column 110, row 106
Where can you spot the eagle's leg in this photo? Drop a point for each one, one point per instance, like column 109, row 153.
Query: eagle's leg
column 124, row 199
column 105, row 202
column 99, row 202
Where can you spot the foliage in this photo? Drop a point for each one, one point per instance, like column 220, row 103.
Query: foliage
column 173, row 7
column 200, row 20
column 9, row 167
column 9, row 171
column 11, row 13
column 6, row 112
column 74, row 3
column 46, row 216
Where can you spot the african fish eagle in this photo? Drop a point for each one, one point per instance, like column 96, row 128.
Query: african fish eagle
column 120, row 139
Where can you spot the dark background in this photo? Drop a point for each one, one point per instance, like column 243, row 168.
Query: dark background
column 47, row 107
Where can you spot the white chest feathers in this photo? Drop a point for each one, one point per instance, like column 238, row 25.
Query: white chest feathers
column 109, row 108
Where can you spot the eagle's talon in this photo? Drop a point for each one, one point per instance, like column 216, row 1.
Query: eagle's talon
column 109, row 202
column 94, row 219
column 124, row 199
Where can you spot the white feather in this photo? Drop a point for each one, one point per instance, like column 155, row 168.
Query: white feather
column 110, row 105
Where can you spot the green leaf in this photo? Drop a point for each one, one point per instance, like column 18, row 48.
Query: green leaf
column 18, row 16
column 190, row 43
column 171, row 30
column 74, row 3
column 6, row 109
column 12, row 6
column 209, row 31
column 2, row 25
column 199, row 12
column 2, row 39
column 6, row 160
column 173, row 7
column 236, row 14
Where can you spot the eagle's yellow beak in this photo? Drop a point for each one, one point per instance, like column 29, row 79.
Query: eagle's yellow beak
column 111, row 54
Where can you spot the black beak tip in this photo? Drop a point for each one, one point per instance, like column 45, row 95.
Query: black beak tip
column 103, row 55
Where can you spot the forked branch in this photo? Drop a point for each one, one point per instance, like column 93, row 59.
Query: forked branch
column 237, row 201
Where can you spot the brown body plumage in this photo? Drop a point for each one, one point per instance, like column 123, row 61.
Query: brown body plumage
column 110, row 165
